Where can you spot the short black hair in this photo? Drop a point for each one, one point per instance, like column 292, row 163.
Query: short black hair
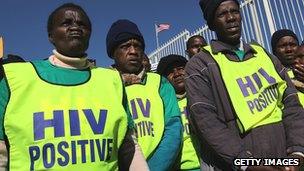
column 66, row 5
column 190, row 40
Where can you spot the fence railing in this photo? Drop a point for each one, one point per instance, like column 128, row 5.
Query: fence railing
column 175, row 45
column 260, row 19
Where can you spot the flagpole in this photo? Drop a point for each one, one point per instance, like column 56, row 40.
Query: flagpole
column 156, row 35
column 1, row 47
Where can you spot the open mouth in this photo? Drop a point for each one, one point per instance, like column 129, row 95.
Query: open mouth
column 233, row 28
column 134, row 61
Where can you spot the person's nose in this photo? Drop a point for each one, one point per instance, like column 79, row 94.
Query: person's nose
column 230, row 17
column 176, row 73
column 289, row 49
column 132, row 49
column 75, row 26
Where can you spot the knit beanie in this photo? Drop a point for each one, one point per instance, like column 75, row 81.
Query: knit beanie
column 278, row 35
column 209, row 7
column 120, row 32
column 168, row 62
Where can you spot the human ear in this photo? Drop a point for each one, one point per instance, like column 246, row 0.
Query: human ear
column 51, row 38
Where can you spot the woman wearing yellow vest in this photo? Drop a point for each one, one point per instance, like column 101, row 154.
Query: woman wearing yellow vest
column 151, row 98
column 172, row 67
column 285, row 45
column 241, row 101
column 63, row 114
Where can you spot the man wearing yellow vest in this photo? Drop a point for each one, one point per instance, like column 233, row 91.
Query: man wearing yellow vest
column 151, row 97
column 61, row 113
column 172, row 67
column 241, row 101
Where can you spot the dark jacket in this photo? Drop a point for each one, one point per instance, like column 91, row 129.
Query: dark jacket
column 213, row 118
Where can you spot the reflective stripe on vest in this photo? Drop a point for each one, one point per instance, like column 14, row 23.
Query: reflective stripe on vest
column 254, row 87
column 148, row 112
column 189, row 159
column 57, row 127
column 290, row 74
column 301, row 98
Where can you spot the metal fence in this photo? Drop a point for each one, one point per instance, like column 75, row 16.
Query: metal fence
column 260, row 19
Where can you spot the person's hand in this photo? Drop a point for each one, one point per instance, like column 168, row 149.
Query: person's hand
column 295, row 168
column 264, row 168
column 299, row 72
column 292, row 168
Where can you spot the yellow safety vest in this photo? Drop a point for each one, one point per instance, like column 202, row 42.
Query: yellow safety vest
column 57, row 127
column 255, row 88
column 301, row 97
column 290, row 74
column 147, row 111
column 189, row 159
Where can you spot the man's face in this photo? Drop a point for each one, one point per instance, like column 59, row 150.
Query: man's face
column 176, row 78
column 128, row 56
column 195, row 46
column 70, row 32
column 285, row 50
column 227, row 22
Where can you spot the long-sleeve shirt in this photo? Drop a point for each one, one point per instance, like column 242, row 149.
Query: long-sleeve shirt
column 213, row 118
column 168, row 149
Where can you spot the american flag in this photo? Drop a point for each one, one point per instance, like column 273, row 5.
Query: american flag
column 161, row 27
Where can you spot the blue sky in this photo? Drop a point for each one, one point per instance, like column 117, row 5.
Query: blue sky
column 23, row 23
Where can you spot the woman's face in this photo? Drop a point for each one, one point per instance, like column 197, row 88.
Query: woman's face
column 70, row 32
column 286, row 49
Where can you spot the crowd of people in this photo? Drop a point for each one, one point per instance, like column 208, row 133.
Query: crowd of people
column 231, row 100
